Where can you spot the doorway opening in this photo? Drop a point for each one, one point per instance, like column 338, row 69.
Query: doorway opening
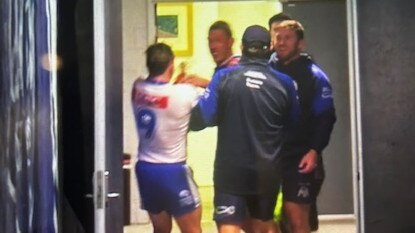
column 337, row 197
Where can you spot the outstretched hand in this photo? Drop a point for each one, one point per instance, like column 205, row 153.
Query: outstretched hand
column 309, row 162
column 192, row 79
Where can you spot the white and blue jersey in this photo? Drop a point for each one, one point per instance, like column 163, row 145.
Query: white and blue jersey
column 162, row 113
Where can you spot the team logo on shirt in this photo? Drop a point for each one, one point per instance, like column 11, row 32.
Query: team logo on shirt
column 254, row 79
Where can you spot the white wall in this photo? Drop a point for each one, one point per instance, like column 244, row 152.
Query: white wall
column 135, row 34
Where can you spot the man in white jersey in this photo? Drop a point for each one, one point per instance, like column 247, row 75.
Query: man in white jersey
column 162, row 112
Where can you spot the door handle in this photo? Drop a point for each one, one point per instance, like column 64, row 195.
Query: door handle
column 113, row 195
column 100, row 182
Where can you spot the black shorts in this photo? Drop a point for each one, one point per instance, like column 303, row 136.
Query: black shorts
column 232, row 208
column 298, row 187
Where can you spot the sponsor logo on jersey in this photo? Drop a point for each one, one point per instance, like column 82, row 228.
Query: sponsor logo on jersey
column 225, row 210
column 150, row 100
column 254, row 79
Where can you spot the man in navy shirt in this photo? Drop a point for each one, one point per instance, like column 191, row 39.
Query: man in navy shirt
column 302, row 169
column 253, row 106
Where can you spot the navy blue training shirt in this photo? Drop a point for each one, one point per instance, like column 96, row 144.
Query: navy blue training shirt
column 316, row 102
column 252, row 105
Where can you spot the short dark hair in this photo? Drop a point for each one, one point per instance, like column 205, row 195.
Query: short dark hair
column 278, row 18
column 221, row 25
column 158, row 57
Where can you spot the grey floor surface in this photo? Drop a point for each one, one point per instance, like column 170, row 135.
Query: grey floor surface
column 326, row 226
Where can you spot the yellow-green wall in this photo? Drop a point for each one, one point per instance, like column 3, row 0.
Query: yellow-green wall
column 239, row 14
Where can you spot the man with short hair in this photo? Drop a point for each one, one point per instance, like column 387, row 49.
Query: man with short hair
column 253, row 106
column 162, row 113
column 273, row 22
column 302, row 168
column 220, row 46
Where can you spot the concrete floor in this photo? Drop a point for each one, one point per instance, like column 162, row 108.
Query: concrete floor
column 327, row 225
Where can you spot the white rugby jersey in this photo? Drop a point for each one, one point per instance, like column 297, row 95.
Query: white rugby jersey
column 162, row 114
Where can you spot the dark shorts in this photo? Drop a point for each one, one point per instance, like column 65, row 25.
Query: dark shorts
column 232, row 208
column 301, row 188
column 167, row 187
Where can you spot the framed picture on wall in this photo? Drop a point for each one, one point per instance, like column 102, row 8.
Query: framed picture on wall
column 175, row 27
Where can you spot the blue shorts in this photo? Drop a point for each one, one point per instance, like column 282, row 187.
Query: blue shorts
column 232, row 208
column 166, row 187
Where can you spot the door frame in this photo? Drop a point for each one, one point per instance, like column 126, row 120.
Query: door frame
column 99, row 186
column 355, row 113
column 108, row 172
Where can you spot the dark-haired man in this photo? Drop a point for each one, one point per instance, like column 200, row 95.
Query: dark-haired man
column 162, row 113
column 252, row 105
column 273, row 22
column 302, row 168
column 220, row 46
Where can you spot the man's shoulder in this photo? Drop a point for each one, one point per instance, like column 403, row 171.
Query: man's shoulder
column 307, row 62
column 317, row 71
column 139, row 81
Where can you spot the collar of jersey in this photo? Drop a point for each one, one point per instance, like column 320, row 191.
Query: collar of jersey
column 150, row 80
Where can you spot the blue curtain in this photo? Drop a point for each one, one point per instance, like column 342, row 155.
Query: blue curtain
column 28, row 126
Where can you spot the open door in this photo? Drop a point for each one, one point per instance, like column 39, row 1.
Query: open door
column 108, row 175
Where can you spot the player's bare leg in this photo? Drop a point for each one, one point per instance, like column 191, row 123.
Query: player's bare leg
column 260, row 226
column 297, row 217
column 190, row 222
column 228, row 228
column 162, row 222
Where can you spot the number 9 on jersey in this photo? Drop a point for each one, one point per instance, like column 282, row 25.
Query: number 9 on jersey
column 146, row 121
